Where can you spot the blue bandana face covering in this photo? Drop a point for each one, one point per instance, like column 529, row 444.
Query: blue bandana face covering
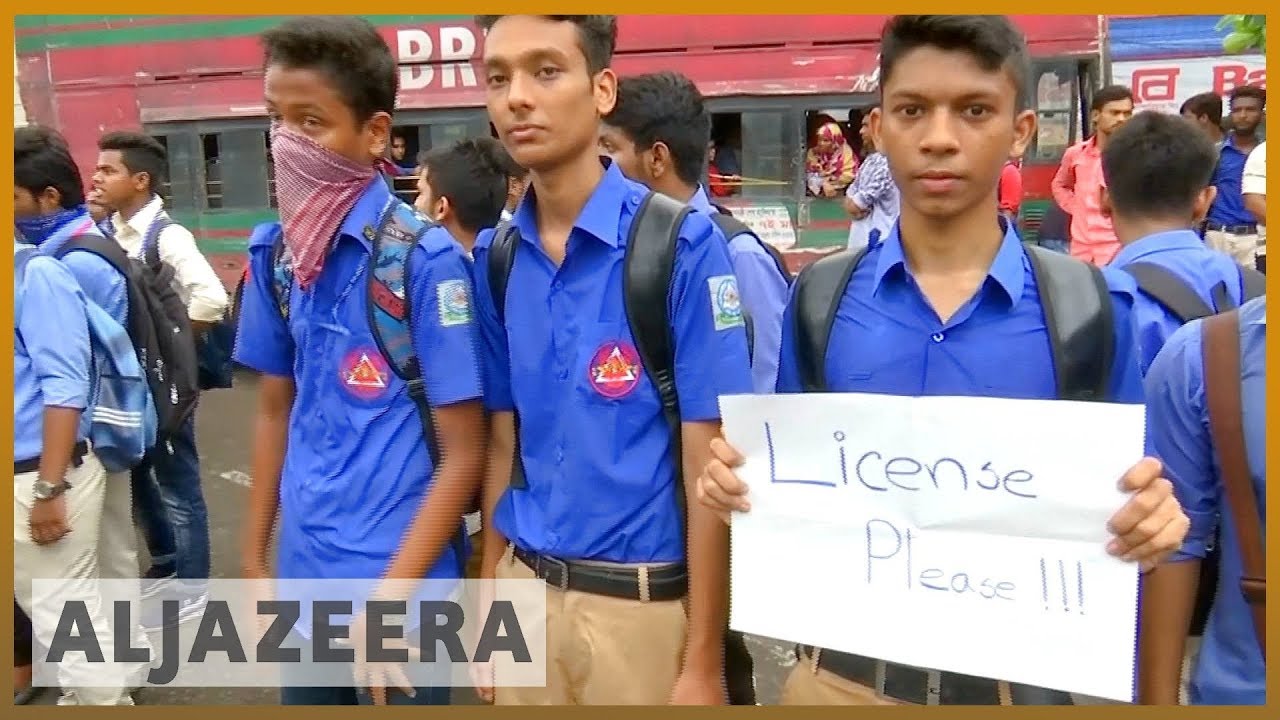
column 36, row 230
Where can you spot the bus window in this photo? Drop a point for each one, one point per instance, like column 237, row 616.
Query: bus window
column 726, row 161
column 1056, row 91
column 814, row 120
column 240, row 157
column 767, row 153
column 184, row 155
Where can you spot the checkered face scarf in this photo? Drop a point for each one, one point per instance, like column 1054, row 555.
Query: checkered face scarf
column 315, row 189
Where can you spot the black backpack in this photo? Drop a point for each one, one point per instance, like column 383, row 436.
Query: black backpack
column 1179, row 299
column 1074, row 296
column 648, row 265
column 158, row 325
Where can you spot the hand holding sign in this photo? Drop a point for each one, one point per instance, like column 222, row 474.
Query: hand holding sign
column 967, row 539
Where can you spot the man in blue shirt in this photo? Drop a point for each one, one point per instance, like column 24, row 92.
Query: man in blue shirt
column 1230, row 669
column 339, row 453
column 592, row 505
column 49, row 208
column 658, row 133
column 949, row 305
column 81, row 536
column 1158, row 170
column 1231, row 228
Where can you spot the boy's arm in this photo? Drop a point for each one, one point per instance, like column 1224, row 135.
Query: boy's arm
column 1177, row 435
column 208, row 298
column 711, row 360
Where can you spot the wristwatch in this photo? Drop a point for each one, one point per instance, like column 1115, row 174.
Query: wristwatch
column 45, row 490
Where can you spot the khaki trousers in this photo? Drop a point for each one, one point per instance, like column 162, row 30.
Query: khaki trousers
column 600, row 650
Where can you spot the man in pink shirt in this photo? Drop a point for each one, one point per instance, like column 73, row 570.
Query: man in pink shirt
column 1077, row 187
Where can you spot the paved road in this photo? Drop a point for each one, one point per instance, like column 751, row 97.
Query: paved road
column 224, row 426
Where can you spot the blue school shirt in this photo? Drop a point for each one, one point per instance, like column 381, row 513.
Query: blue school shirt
column 99, row 280
column 596, row 449
column 887, row 338
column 51, row 354
column 356, row 470
column 1228, row 206
column 764, row 296
column 1183, row 253
column 1229, row 669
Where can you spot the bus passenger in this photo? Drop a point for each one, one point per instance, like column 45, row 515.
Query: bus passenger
column 830, row 164
column 955, row 107
column 341, row 454
column 593, row 503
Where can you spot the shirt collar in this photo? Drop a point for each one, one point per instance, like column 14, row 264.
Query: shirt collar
column 142, row 219
column 701, row 202
column 1007, row 268
column 600, row 217
column 1156, row 243
column 366, row 213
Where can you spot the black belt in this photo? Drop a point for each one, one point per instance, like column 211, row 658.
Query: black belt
column 913, row 685
column 1245, row 229
column 33, row 464
column 656, row 584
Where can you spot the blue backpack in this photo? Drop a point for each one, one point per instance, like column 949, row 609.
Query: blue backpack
column 122, row 413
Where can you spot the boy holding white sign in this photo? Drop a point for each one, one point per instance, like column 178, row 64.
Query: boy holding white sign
column 953, row 304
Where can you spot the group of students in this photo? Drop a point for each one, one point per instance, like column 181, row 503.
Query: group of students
column 567, row 366
column 74, row 517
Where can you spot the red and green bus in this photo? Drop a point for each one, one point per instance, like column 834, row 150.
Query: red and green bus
column 194, row 82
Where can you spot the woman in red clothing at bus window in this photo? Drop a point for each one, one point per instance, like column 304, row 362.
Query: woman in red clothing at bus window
column 1010, row 193
column 719, row 185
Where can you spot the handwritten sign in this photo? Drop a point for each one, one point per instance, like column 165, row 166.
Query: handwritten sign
column 770, row 221
column 958, row 534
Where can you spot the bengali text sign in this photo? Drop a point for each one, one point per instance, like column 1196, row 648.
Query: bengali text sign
column 959, row 534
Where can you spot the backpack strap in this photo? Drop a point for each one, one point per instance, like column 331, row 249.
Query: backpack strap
column 104, row 247
column 1080, row 319
column 1254, row 284
column 732, row 227
column 1166, row 288
column 391, row 316
column 648, row 267
column 819, row 289
column 281, row 273
column 502, row 257
column 151, row 241
column 1220, row 341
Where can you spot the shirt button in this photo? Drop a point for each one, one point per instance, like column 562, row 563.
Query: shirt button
column 635, row 199
column 564, row 374
column 557, row 286
column 938, row 337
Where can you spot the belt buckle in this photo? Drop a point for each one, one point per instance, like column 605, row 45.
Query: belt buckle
column 563, row 566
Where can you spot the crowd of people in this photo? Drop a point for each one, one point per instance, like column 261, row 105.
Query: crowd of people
column 529, row 386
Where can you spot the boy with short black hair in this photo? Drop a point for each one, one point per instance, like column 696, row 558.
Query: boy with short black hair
column 130, row 170
column 1158, row 170
column 343, row 454
column 658, row 133
column 583, row 488
column 950, row 304
column 464, row 187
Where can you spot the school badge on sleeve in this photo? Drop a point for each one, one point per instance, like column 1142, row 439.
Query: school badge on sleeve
column 454, row 303
column 726, row 306
column 364, row 373
column 614, row 370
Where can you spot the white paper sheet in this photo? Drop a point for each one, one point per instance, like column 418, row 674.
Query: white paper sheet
column 959, row 534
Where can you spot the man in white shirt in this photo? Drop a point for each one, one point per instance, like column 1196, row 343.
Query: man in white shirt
column 1253, row 185
column 171, row 509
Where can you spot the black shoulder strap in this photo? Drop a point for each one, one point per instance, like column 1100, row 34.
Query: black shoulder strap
column 1170, row 291
column 1254, row 282
column 819, row 288
column 1079, row 317
column 502, row 256
column 151, row 242
column 103, row 247
column 732, row 227
column 650, row 260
